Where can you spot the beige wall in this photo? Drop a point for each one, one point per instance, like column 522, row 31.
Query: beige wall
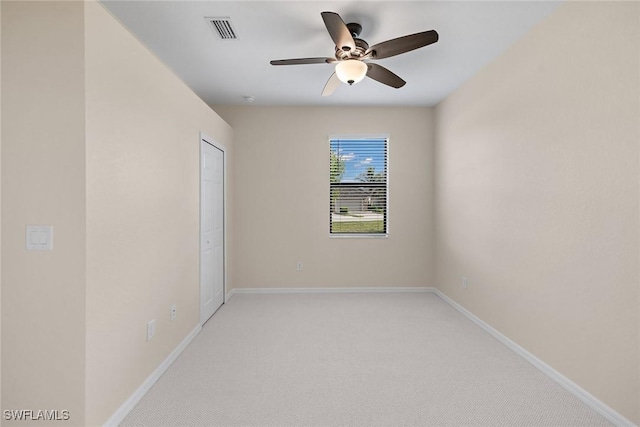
column 43, row 182
column 282, row 198
column 143, row 213
column 537, row 196
column 0, row 208
column 102, row 142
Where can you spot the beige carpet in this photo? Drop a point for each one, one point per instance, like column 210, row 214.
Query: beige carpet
column 361, row 359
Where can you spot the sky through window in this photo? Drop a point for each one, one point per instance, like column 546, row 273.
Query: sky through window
column 356, row 160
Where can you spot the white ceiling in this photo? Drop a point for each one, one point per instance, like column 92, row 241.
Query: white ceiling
column 472, row 33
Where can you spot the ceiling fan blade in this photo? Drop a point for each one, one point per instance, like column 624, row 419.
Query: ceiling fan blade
column 338, row 31
column 299, row 61
column 402, row 44
column 332, row 85
column 382, row 75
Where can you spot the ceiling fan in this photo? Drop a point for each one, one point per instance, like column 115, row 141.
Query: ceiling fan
column 351, row 52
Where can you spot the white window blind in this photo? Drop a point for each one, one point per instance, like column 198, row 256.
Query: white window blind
column 358, row 182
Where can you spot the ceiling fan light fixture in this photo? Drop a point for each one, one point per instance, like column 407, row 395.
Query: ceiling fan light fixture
column 351, row 71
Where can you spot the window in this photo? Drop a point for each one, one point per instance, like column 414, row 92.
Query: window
column 358, row 186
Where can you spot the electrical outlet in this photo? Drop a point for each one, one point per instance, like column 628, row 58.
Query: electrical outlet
column 173, row 312
column 299, row 266
column 465, row 283
column 151, row 329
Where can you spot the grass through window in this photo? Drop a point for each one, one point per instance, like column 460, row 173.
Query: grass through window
column 357, row 227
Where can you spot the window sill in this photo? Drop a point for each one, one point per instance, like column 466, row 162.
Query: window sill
column 358, row 236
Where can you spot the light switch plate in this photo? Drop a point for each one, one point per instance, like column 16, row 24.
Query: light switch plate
column 39, row 238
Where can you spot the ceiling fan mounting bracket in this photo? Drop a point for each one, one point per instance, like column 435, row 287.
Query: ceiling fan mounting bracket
column 354, row 28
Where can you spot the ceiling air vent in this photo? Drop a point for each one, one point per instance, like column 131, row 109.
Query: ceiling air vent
column 223, row 28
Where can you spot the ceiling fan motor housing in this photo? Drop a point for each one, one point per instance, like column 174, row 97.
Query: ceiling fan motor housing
column 357, row 53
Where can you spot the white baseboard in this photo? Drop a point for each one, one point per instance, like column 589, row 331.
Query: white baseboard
column 133, row 400
column 586, row 397
column 326, row 290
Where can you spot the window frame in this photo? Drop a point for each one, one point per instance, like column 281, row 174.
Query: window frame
column 363, row 137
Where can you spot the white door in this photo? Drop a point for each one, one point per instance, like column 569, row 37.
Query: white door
column 211, row 229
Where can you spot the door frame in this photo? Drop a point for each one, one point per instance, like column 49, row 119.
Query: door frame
column 205, row 139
